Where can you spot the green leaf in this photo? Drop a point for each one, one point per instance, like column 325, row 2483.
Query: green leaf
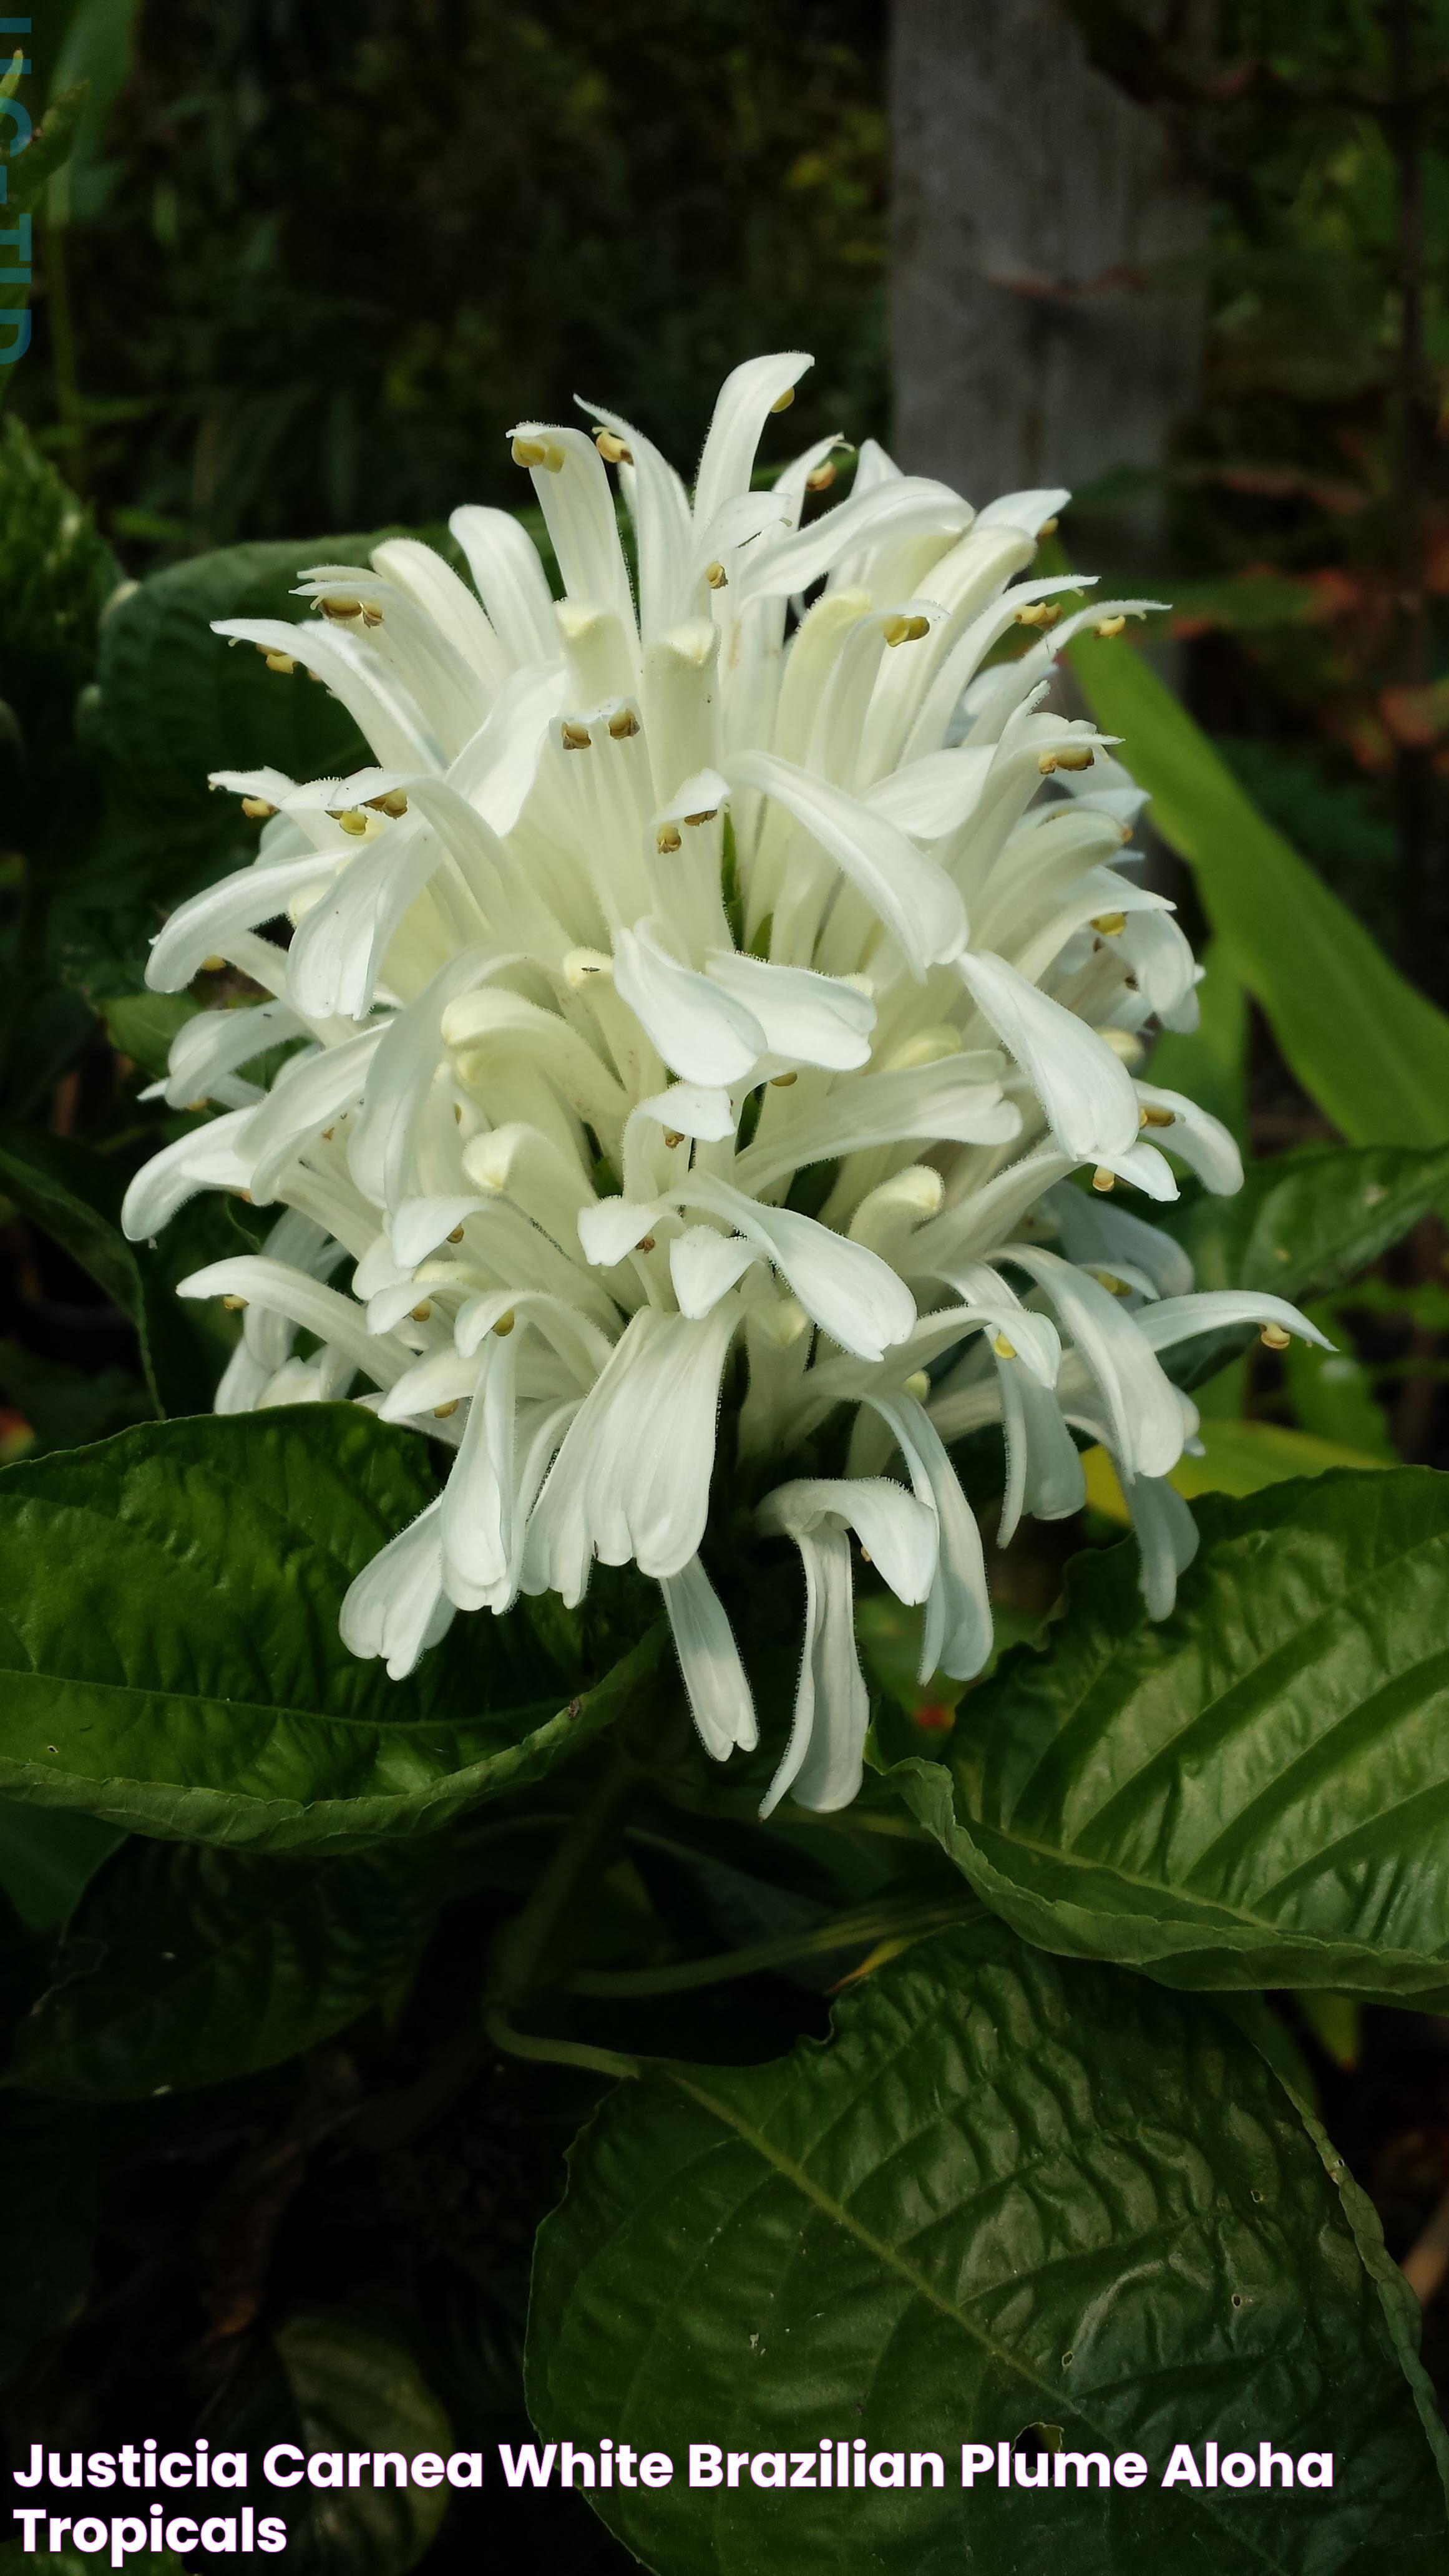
column 1370, row 1050
column 171, row 1654
column 96, row 56
column 352, row 2389
column 1253, row 1792
column 47, row 1859
column 47, row 2218
column 178, row 701
column 75, row 1194
column 142, row 1025
column 1306, row 1222
column 49, row 149
column 1008, row 2194
column 186, row 1967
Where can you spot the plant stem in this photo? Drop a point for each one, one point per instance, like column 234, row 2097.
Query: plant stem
column 60, row 311
column 847, row 1932
column 555, row 2052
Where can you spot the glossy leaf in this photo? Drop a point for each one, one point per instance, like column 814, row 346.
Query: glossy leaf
column 1010, row 2193
column 1369, row 1049
column 1304, row 1223
column 170, row 1652
column 186, row 1967
column 1254, row 1792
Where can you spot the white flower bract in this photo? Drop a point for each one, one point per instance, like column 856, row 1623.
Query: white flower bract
column 705, row 1001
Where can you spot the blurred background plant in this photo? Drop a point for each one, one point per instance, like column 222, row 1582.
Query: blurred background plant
column 296, row 272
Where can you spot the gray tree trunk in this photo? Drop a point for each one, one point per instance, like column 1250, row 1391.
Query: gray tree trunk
column 1035, row 336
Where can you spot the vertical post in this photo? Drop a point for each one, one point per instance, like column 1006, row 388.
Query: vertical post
column 1046, row 323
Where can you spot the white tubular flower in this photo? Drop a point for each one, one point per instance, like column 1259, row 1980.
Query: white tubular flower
column 699, row 1020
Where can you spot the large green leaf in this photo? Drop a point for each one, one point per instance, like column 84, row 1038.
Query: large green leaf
column 170, row 1649
column 186, row 1967
column 1370, row 1050
column 1010, row 2193
column 1254, row 1792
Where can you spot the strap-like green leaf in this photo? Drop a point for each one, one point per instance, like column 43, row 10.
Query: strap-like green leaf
column 1369, row 1049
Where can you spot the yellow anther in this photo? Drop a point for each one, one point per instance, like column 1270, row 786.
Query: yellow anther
column 783, row 401
column 545, row 452
column 1107, row 627
column 421, row 1313
column 257, row 809
column 612, row 448
column 234, row 1305
column 905, row 630
column 442, row 1411
column 576, row 737
column 1038, row 612
column 1046, row 762
column 193, row 1106
column 1076, row 756
column 668, row 838
column 394, row 803
column 457, row 1235
column 624, row 726
column 782, row 1081
column 1273, row 1338
column 354, row 822
column 1155, row 1117
column 1048, row 527
column 708, row 815
column 1107, row 924
column 282, row 662
column 716, row 575
column 1102, row 1179
column 505, row 1324
column 1114, row 1286
column 918, row 1385
column 645, row 1243
column 339, row 606
column 372, row 612
column 213, row 965
column 672, row 1137
column 1004, row 1349
column 865, row 1555
column 822, row 478
column 327, row 1135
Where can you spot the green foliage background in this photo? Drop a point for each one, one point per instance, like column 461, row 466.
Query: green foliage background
column 309, row 1982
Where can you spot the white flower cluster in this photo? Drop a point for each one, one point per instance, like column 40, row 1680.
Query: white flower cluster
column 673, row 909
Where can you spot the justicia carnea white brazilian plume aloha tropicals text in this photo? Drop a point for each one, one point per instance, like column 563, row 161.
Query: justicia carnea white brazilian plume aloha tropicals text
column 736, row 960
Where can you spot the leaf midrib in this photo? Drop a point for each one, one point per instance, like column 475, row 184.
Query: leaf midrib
column 919, row 2282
